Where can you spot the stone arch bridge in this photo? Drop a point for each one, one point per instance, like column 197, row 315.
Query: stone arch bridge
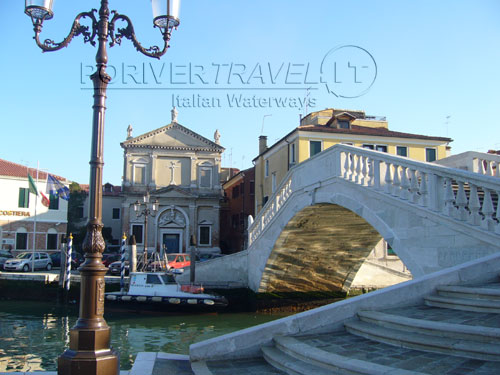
column 329, row 212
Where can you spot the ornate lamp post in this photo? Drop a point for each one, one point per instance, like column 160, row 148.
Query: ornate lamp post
column 89, row 349
column 150, row 209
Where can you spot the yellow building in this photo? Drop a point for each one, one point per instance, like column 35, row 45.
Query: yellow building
column 323, row 129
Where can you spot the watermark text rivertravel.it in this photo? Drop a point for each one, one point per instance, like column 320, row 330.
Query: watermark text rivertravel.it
column 346, row 71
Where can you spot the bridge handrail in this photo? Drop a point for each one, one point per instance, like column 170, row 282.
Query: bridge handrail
column 427, row 185
column 479, row 162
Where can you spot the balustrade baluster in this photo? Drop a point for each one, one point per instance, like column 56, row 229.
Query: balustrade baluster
column 449, row 199
column 371, row 172
column 497, row 226
column 474, row 205
column 482, row 168
column 388, row 178
column 376, row 174
column 489, row 167
column 364, row 174
column 413, row 185
column 396, row 182
column 487, row 210
column 405, row 184
column 423, row 190
column 357, row 169
column 346, row 165
column 461, row 202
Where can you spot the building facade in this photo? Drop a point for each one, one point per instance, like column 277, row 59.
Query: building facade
column 323, row 129
column 239, row 197
column 25, row 223
column 180, row 170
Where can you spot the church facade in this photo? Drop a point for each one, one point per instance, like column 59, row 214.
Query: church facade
column 179, row 169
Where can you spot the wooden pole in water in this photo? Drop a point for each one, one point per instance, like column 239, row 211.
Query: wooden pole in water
column 192, row 267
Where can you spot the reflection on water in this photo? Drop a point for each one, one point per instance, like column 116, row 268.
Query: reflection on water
column 34, row 334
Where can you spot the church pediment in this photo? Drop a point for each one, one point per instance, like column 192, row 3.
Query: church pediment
column 173, row 192
column 173, row 137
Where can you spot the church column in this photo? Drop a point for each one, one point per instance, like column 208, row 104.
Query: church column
column 194, row 181
column 216, row 180
column 193, row 222
column 153, row 159
column 126, row 177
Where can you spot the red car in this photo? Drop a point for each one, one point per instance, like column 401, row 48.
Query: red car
column 178, row 260
column 174, row 261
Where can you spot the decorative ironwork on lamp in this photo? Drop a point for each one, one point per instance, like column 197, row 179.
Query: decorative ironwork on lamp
column 89, row 349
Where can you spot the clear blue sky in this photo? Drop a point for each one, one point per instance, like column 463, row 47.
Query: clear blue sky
column 433, row 60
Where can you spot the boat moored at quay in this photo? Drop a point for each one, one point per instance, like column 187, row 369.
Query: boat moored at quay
column 160, row 291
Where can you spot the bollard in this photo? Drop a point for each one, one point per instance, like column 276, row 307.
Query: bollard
column 67, row 280
column 192, row 268
column 122, row 265
column 133, row 254
column 62, row 269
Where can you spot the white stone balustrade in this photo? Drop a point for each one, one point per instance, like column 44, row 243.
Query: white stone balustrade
column 468, row 197
column 472, row 161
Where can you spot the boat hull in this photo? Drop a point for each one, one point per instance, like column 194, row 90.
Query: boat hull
column 177, row 303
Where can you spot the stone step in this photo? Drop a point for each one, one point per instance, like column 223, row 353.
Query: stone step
column 419, row 341
column 296, row 357
column 432, row 328
column 292, row 365
column 247, row 366
column 465, row 292
column 466, row 304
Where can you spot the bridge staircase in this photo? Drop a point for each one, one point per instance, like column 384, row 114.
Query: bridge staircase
column 455, row 331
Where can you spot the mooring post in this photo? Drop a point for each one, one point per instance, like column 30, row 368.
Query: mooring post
column 192, row 267
column 62, row 269
column 122, row 265
column 67, row 279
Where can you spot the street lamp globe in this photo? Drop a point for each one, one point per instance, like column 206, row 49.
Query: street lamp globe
column 155, row 205
column 39, row 9
column 137, row 206
column 166, row 13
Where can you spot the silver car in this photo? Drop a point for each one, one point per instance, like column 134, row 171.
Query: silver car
column 24, row 262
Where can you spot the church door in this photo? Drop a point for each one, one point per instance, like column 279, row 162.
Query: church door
column 171, row 242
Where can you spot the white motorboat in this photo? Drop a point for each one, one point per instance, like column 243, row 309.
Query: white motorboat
column 160, row 291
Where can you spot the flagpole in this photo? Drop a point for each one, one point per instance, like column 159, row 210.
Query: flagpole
column 34, row 221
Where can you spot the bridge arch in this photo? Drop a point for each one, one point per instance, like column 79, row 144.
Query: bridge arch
column 324, row 244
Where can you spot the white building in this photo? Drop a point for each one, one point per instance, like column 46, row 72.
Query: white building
column 19, row 216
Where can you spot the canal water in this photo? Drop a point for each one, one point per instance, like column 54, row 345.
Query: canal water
column 34, row 334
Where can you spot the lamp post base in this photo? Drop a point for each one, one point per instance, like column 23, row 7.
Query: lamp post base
column 83, row 362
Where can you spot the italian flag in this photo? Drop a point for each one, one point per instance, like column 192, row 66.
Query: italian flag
column 45, row 200
column 34, row 190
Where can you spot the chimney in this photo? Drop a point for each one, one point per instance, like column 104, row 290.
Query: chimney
column 262, row 144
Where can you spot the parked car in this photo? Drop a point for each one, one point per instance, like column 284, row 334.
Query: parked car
column 24, row 262
column 76, row 260
column 107, row 259
column 174, row 260
column 115, row 267
column 4, row 255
